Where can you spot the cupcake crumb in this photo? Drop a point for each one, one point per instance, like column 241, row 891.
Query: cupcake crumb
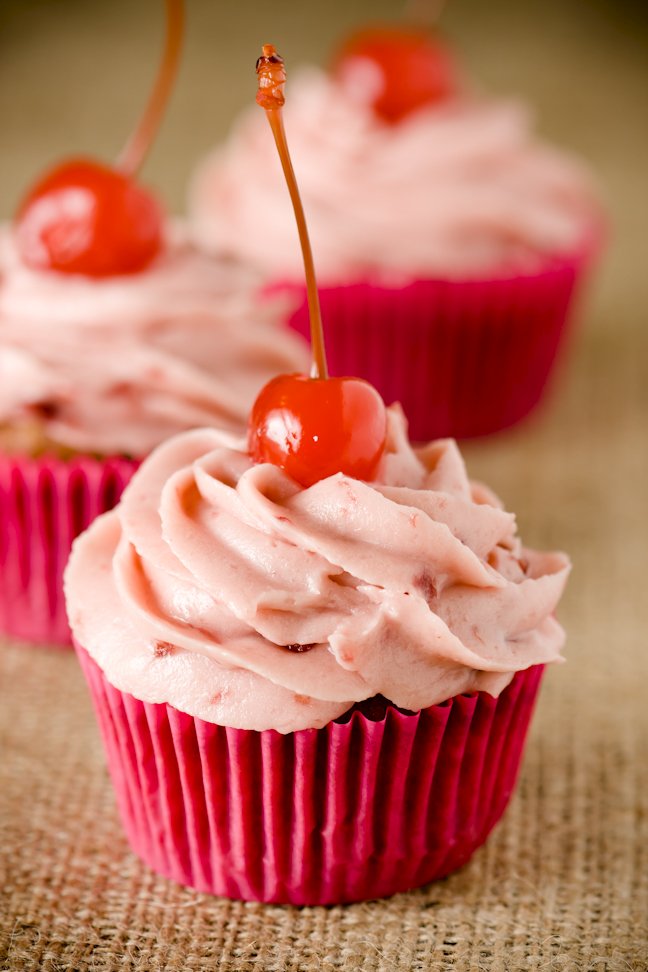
column 425, row 583
column 46, row 409
column 162, row 648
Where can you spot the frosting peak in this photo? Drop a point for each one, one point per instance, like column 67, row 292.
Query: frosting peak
column 234, row 594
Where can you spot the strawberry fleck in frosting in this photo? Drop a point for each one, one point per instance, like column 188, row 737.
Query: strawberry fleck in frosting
column 224, row 588
column 459, row 189
column 116, row 365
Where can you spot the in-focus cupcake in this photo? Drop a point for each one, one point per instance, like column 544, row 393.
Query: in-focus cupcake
column 310, row 695
column 449, row 239
column 115, row 332
column 313, row 653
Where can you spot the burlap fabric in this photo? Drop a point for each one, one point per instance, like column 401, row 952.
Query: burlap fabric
column 563, row 882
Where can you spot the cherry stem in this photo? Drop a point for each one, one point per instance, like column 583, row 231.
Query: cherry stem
column 136, row 149
column 425, row 13
column 320, row 369
column 275, row 117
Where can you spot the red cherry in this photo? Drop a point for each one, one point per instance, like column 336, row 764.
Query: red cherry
column 311, row 427
column 89, row 218
column 398, row 69
column 315, row 427
column 86, row 217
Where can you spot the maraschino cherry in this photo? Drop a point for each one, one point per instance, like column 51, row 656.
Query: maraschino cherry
column 94, row 219
column 312, row 427
column 397, row 68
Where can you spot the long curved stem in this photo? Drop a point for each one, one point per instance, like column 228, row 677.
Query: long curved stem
column 319, row 369
column 136, row 149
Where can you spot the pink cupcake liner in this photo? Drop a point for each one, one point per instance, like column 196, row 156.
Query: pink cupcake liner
column 464, row 358
column 359, row 809
column 44, row 504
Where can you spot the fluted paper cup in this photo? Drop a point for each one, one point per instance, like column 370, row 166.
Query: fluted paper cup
column 45, row 503
column 363, row 808
column 464, row 358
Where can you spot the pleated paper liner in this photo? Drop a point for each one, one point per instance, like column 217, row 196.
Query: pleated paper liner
column 464, row 359
column 360, row 809
column 44, row 504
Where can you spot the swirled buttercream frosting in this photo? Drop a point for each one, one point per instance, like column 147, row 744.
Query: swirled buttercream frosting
column 116, row 365
column 227, row 590
column 460, row 189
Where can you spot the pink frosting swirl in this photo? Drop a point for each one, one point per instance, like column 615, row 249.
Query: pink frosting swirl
column 227, row 590
column 115, row 366
column 457, row 190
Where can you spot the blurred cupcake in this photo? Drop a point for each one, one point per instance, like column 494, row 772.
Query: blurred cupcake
column 449, row 240
column 97, row 371
column 310, row 695
column 115, row 332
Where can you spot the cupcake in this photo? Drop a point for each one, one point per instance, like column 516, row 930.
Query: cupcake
column 449, row 240
column 314, row 653
column 310, row 695
column 115, row 332
column 94, row 374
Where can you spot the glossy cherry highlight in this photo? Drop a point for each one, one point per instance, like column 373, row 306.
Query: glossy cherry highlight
column 90, row 218
column 396, row 69
column 86, row 217
column 316, row 427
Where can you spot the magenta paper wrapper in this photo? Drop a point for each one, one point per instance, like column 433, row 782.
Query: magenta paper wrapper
column 464, row 359
column 359, row 809
column 44, row 504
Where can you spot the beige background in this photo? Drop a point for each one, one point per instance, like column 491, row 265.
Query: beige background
column 563, row 883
